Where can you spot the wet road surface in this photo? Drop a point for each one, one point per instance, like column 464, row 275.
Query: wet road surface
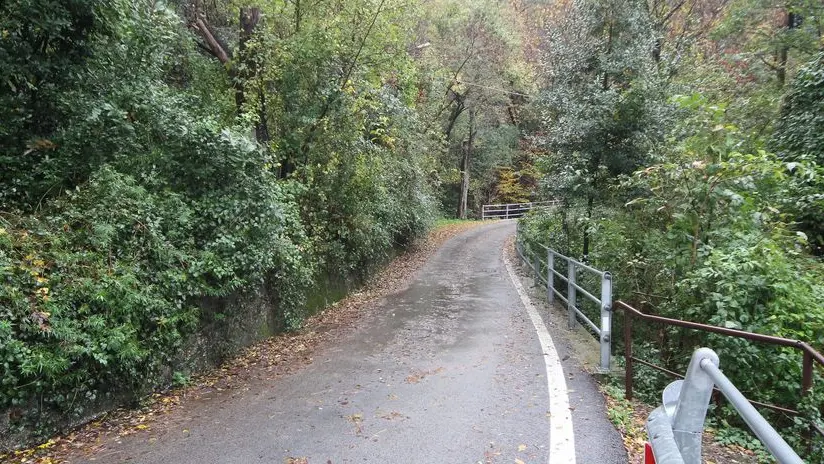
column 449, row 370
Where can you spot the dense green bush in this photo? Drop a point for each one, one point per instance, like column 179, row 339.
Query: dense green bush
column 798, row 138
column 715, row 236
column 98, row 293
column 711, row 242
column 705, row 201
column 131, row 192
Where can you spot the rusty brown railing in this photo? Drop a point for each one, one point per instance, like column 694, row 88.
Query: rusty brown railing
column 810, row 355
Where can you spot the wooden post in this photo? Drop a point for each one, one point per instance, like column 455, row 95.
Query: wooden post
column 806, row 374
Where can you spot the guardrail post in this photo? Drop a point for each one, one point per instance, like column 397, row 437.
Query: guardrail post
column 550, row 275
column 536, row 260
column 628, row 367
column 506, row 214
column 571, row 293
column 691, row 411
column 606, row 320
column 806, row 387
column 807, row 373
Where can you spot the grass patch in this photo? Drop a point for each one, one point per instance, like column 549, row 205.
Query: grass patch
column 444, row 222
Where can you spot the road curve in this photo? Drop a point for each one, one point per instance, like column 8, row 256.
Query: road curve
column 449, row 370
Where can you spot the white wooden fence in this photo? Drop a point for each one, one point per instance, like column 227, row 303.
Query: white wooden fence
column 513, row 210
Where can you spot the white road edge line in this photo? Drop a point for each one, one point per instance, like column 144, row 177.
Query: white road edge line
column 561, row 436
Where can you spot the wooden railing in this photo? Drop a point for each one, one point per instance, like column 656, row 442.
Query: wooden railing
column 513, row 210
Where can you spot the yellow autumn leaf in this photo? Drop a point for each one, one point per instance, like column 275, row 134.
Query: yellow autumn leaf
column 518, row 461
column 522, row 447
column 48, row 444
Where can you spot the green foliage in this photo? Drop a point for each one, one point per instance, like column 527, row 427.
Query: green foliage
column 798, row 139
column 715, row 229
column 509, row 188
column 599, row 107
column 728, row 435
column 98, row 295
column 620, row 410
column 603, row 110
column 43, row 47
column 471, row 62
column 131, row 192
column 93, row 298
column 799, row 132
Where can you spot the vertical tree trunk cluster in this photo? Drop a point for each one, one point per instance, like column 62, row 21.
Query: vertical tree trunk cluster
column 466, row 155
column 791, row 22
column 249, row 19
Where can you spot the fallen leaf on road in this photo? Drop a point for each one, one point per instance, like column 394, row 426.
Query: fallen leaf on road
column 291, row 460
column 417, row 376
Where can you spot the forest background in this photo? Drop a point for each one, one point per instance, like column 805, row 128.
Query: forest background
column 183, row 171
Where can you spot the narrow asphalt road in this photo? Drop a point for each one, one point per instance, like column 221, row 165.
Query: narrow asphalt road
column 449, row 370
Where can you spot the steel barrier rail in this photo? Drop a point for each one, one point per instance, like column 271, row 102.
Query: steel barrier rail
column 810, row 355
column 533, row 260
column 675, row 427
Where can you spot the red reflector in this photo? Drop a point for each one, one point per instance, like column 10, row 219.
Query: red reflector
column 649, row 458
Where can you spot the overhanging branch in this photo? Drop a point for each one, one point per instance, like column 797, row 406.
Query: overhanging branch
column 214, row 46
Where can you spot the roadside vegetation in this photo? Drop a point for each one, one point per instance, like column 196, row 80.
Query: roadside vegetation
column 167, row 168
column 684, row 140
column 172, row 170
column 261, row 362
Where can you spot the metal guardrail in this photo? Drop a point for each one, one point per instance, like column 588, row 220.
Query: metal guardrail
column 809, row 359
column 512, row 210
column 545, row 272
column 675, row 427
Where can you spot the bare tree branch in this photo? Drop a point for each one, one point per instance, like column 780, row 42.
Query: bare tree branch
column 469, row 54
column 328, row 104
column 672, row 11
column 214, row 46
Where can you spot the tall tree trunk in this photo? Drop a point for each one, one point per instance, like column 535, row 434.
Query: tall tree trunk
column 241, row 80
column 467, row 153
column 297, row 15
column 590, row 203
column 457, row 110
column 565, row 228
column 249, row 20
column 262, row 126
column 783, row 52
